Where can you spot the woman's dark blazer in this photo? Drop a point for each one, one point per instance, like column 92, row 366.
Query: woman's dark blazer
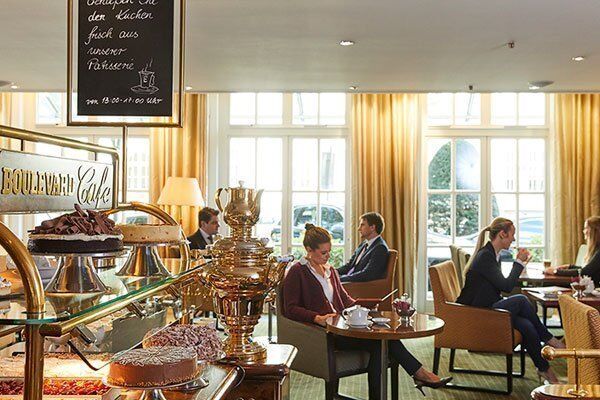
column 484, row 281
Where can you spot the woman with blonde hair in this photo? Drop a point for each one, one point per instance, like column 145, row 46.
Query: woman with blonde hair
column 484, row 283
column 312, row 292
column 591, row 233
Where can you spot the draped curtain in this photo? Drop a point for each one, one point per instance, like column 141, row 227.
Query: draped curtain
column 385, row 148
column 576, row 171
column 181, row 152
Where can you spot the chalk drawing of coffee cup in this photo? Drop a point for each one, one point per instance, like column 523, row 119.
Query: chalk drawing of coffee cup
column 147, row 78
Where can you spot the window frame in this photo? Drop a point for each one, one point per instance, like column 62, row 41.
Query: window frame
column 486, row 117
column 486, row 133
column 287, row 132
column 287, row 115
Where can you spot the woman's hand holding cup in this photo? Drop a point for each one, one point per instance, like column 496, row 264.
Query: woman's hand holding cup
column 524, row 255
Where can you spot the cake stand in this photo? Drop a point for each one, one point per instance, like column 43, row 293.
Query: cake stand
column 76, row 273
column 155, row 392
column 144, row 260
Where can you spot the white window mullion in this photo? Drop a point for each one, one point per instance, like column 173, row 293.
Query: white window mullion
column 518, row 192
column 287, row 210
column 319, row 223
column 485, row 197
column 453, row 190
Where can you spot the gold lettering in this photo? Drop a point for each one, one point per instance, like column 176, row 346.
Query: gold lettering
column 17, row 181
column 6, row 180
column 34, row 183
column 56, row 189
column 49, row 183
column 27, row 177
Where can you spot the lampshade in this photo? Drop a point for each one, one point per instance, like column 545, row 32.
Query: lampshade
column 180, row 191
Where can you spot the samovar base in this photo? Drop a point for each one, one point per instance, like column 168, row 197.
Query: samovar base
column 251, row 353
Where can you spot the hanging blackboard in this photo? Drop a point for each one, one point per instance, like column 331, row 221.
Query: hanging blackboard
column 125, row 57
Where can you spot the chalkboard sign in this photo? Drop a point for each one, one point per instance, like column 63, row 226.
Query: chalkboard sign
column 125, row 57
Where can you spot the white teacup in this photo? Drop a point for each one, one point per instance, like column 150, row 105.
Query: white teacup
column 356, row 315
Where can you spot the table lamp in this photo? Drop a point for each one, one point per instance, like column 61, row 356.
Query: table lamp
column 179, row 191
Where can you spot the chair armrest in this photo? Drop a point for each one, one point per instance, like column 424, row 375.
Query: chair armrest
column 475, row 328
column 312, row 343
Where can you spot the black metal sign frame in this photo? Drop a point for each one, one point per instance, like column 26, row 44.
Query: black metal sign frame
column 174, row 121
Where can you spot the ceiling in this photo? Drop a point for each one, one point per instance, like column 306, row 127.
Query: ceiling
column 285, row 45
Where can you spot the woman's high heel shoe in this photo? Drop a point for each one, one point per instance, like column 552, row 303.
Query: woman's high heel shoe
column 434, row 385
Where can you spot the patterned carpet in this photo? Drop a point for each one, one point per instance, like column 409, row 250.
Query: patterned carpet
column 304, row 387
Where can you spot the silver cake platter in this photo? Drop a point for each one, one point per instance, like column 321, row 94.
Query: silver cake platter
column 76, row 273
column 155, row 392
column 144, row 260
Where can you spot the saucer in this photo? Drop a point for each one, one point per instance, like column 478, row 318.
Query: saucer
column 380, row 320
column 139, row 89
column 359, row 326
column 596, row 293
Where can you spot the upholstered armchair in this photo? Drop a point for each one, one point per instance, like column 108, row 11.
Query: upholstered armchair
column 463, row 259
column 471, row 328
column 582, row 331
column 454, row 257
column 377, row 288
column 317, row 356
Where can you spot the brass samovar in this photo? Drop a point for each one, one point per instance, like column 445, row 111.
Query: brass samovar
column 242, row 273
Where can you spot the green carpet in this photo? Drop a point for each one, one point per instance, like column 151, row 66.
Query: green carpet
column 304, row 387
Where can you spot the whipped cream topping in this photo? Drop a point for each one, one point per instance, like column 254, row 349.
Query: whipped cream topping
column 87, row 222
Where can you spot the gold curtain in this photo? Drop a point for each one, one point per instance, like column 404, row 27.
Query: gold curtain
column 5, row 108
column 385, row 148
column 181, row 152
column 576, row 171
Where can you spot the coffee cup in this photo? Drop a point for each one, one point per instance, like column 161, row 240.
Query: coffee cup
column 356, row 315
column 547, row 263
column 146, row 79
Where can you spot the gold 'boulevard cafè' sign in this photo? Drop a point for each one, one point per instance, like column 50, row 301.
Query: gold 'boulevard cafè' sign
column 33, row 182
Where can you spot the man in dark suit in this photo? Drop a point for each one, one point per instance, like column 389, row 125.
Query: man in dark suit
column 208, row 223
column 369, row 261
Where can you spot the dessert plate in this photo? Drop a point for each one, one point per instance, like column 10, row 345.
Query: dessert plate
column 380, row 320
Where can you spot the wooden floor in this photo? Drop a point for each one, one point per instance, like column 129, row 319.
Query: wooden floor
column 304, row 387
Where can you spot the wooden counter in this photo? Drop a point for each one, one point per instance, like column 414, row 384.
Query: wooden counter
column 268, row 380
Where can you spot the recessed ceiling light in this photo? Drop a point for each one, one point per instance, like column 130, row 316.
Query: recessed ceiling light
column 352, row 87
column 346, row 42
column 13, row 86
column 535, row 85
column 578, row 58
column 188, row 88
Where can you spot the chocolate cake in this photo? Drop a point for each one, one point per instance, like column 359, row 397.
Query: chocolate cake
column 153, row 367
column 82, row 231
column 204, row 340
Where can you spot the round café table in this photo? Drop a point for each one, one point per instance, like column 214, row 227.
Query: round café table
column 420, row 325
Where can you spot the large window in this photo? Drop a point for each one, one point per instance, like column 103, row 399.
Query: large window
column 296, row 109
column 453, row 195
column 475, row 172
column 302, row 169
column 314, row 185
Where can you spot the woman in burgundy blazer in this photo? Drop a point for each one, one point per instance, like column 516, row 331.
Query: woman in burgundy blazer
column 312, row 292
